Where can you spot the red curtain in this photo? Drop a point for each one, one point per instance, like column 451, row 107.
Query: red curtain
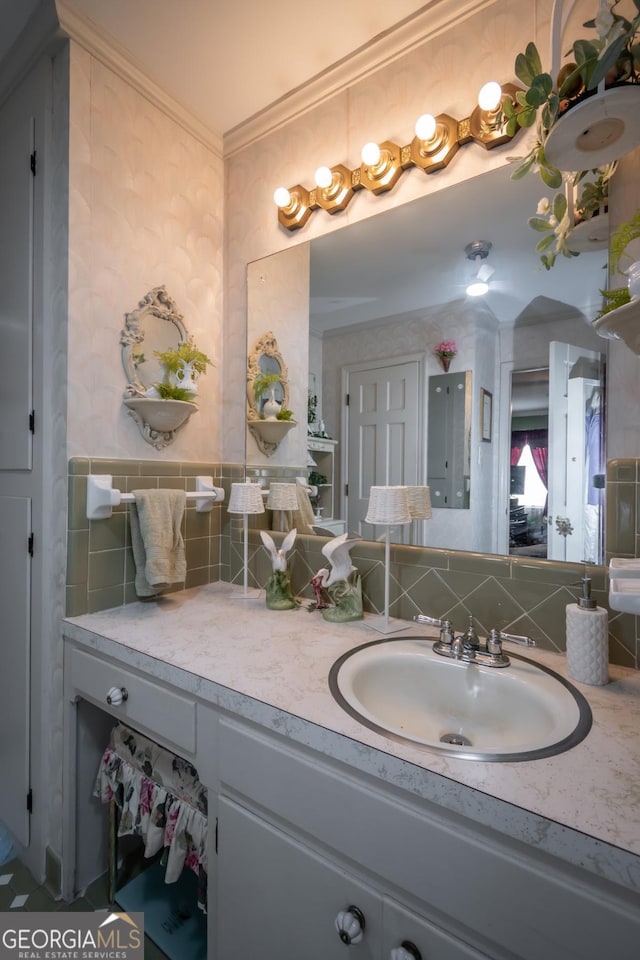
column 538, row 440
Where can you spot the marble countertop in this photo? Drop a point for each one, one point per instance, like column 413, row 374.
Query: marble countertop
column 272, row 667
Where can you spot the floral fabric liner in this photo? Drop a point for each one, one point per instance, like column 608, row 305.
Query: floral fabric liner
column 160, row 798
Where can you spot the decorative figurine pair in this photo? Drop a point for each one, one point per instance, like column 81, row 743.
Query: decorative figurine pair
column 338, row 591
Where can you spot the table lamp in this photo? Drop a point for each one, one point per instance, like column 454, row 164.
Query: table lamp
column 388, row 506
column 283, row 497
column 245, row 498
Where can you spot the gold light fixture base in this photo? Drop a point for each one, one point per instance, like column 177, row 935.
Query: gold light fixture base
column 486, row 128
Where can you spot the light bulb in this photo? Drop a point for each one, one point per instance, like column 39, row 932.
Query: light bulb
column 323, row 177
column 477, row 288
column 490, row 96
column 371, row 154
column 425, row 127
column 282, row 197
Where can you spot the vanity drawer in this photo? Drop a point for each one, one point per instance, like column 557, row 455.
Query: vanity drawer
column 166, row 716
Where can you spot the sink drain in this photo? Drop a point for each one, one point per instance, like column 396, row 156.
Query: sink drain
column 455, row 738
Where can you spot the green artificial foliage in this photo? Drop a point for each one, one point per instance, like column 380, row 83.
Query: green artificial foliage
column 621, row 238
column 263, row 382
column 284, row 414
column 186, row 352
column 614, row 298
column 168, row 392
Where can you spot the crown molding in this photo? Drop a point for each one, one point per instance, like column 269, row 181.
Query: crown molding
column 433, row 19
column 111, row 55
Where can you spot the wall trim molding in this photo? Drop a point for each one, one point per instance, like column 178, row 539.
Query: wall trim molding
column 101, row 46
column 432, row 20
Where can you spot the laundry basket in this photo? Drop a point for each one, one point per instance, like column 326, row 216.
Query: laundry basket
column 155, row 795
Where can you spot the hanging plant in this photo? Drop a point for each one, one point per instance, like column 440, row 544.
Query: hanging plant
column 553, row 217
column 612, row 57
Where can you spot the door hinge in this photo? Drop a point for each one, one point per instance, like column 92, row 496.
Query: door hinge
column 346, row 489
column 32, row 421
column 33, row 163
column 30, row 545
column 30, row 801
column 346, row 400
column 216, row 835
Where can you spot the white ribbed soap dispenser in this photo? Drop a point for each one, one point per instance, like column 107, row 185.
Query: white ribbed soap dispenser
column 587, row 639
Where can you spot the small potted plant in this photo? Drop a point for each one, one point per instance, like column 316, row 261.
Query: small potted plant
column 558, row 222
column 183, row 365
column 263, row 383
column 620, row 239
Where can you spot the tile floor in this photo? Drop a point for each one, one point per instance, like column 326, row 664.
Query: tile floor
column 20, row 892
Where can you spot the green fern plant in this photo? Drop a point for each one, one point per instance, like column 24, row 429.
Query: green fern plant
column 284, row 414
column 263, row 382
column 186, row 352
column 613, row 299
column 620, row 240
column 168, row 392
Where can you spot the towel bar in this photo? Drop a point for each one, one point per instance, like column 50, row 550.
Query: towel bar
column 102, row 496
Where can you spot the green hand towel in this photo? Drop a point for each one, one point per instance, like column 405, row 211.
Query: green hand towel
column 156, row 538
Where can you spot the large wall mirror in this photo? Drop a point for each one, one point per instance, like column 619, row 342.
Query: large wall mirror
column 385, row 291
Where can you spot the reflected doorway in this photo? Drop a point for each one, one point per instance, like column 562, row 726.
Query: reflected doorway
column 556, row 495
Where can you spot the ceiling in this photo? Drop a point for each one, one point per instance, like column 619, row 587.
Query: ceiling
column 413, row 256
column 227, row 60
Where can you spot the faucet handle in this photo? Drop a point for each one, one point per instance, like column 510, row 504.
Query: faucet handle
column 516, row 638
column 430, row 621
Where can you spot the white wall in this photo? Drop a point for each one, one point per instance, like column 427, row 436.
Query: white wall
column 145, row 208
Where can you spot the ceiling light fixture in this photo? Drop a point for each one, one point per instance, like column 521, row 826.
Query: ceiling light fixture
column 477, row 251
column 437, row 139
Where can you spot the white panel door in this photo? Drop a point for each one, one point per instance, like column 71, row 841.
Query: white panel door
column 384, row 435
column 16, row 258
column 567, row 496
column 15, row 600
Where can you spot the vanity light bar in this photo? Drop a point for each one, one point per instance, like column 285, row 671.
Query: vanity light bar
column 102, row 495
column 384, row 163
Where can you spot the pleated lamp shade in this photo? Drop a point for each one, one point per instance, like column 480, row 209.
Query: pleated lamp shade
column 245, row 498
column 282, row 496
column 388, row 505
column 419, row 502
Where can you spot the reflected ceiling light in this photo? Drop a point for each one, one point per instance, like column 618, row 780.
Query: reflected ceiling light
column 370, row 154
column 490, row 96
column 478, row 251
column 426, row 127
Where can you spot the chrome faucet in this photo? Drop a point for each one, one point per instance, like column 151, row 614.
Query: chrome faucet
column 468, row 648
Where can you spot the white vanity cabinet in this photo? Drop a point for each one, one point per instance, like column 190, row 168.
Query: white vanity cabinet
column 301, row 839
column 297, row 837
column 280, row 898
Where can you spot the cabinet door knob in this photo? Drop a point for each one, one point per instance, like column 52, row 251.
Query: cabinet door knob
column 350, row 925
column 117, row 695
column 406, row 951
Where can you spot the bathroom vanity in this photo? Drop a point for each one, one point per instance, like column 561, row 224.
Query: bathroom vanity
column 314, row 818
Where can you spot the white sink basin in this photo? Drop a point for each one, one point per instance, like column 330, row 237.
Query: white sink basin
column 403, row 690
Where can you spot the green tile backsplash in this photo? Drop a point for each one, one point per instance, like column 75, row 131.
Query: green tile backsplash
column 520, row 595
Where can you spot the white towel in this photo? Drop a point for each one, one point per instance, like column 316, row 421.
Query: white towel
column 156, row 538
